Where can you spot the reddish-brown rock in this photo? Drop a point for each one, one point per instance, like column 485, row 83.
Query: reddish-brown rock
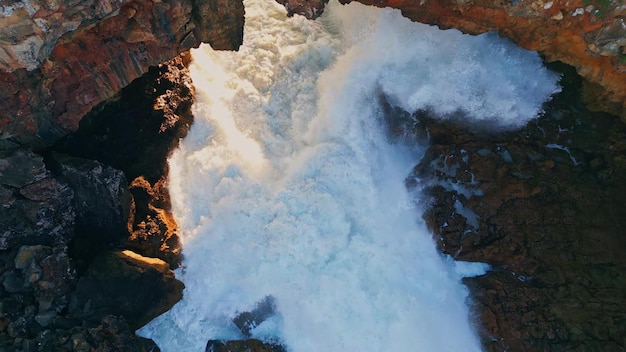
column 135, row 133
column 546, row 208
column 587, row 34
column 79, row 62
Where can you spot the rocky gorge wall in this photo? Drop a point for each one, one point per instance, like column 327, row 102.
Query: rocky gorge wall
column 87, row 242
column 63, row 65
column 59, row 59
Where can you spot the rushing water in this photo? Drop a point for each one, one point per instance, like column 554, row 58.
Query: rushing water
column 288, row 187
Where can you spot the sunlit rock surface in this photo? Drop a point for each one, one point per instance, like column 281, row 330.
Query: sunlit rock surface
column 68, row 281
column 59, row 59
column 124, row 283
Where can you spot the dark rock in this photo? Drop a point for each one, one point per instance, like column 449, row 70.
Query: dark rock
column 14, row 283
column 36, row 207
column 19, row 168
column 310, row 9
column 251, row 345
column 546, row 207
column 246, row 321
column 123, row 283
column 135, row 133
column 113, row 334
column 47, row 246
column 219, row 23
column 101, row 198
column 88, row 51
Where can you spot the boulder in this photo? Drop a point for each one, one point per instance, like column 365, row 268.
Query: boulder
column 124, row 283
column 246, row 321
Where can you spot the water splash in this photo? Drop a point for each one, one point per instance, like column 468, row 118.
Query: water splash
column 287, row 187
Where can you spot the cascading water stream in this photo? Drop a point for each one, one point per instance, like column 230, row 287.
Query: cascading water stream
column 287, row 186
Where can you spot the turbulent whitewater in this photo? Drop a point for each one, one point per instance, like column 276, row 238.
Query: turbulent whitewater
column 288, row 186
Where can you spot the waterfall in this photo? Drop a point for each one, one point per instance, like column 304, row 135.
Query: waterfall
column 288, row 186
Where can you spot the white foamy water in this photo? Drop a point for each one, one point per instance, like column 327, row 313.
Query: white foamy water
column 288, row 187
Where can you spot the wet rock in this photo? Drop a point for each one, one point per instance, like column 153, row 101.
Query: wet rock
column 135, row 133
column 113, row 334
column 310, row 9
column 242, row 346
column 545, row 207
column 123, row 283
column 48, row 246
column 246, row 321
column 154, row 230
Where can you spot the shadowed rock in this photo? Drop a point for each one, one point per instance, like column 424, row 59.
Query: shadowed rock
column 101, row 197
column 247, row 321
column 242, row 346
column 59, row 59
column 545, row 207
column 127, row 284
column 36, row 208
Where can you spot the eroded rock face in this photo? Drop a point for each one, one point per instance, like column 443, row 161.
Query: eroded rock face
column 102, row 200
column 68, row 279
column 33, row 27
column 135, row 133
column 62, row 58
column 545, row 206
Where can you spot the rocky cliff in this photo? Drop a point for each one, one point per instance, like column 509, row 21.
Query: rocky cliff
column 59, row 59
column 545, row 206
column 87, row 242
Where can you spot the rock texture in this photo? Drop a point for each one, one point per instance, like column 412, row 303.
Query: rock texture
column 37, row 208
column 124, row 283
column 135, row 133
column 546, row 207
column 77, row 266
column 59, row 59
column 242, row 346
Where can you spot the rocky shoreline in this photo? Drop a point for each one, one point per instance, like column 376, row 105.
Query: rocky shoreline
column 86, row 255
column 88, row 242
column 545, row 207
